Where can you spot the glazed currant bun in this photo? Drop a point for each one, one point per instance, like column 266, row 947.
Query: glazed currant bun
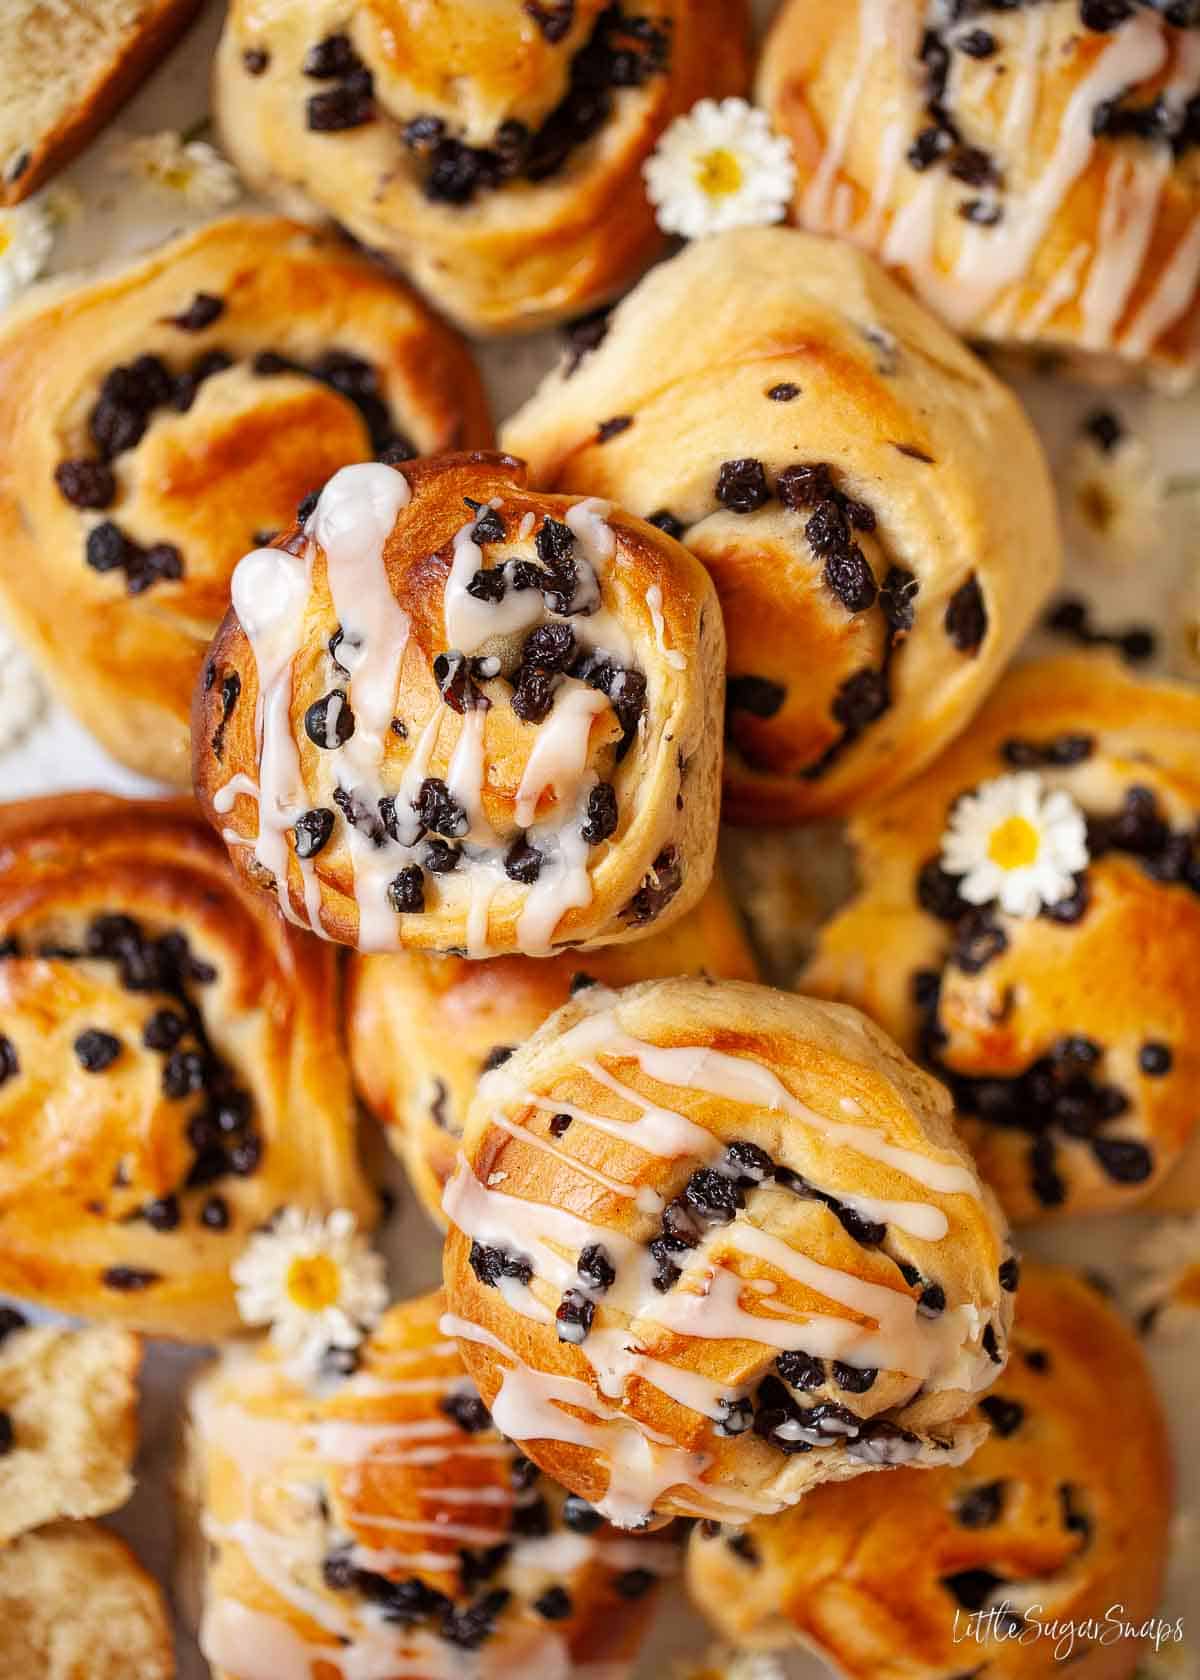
column 383, row 1527
column 75, row 1604
column 184, row 407
column 467, row 717
column 872, row 504
column 422, row 1028
column 712, row 1245
column 1060, row 1517
column 171, row 1066
column 494, row 153
column 1032, row 171
column 1065, row 1035
column 68, row 1422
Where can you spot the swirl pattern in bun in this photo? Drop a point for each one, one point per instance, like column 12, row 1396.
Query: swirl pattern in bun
column 171, row 1066
column 1032, row 171
column 422, row 1028
column 157, row 421
column 384, row 1527
column 1060, row 1517
column 712, row 1245
column 470, row 717
column 494, row 152
column 871, row 502
column 1066, row 1038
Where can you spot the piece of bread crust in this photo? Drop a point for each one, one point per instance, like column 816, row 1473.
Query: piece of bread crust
column 92, row 59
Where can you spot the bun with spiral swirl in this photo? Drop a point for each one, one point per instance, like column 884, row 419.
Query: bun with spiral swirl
column 383, row 1526
column 1032, row 171
column 1065, row 1036
column 472, row 718
column 871, row 502
column 171, row 1068
column 492, row 152
column 1060, row 1518
column 755, row 1257
column 158, row 421
column 422, row 1029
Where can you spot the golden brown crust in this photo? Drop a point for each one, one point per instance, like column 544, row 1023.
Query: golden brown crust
column 460, row 746
column 119, row 70
column 1095, row 245
column 123, row 646
column 75, row 1604
column 319, row 1505
column 127, row 921
column 422, row 1028
column 1066, row 1506
column 571, row 229
column 843, row 681
column 1118, row 975
column 743, row 1175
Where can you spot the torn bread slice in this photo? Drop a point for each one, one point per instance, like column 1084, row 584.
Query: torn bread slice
column 68, row 1418
column 66, row 66
column 75, row 1604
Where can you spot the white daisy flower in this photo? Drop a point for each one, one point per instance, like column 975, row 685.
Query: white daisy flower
column 719, row 167
column 26, row 238
column 22, row 693
column 1015, row 844
column 191, row 168
column 1169, row 1262
column 314, row 1281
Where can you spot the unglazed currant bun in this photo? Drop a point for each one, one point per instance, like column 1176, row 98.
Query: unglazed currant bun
column 383, row 1527
column 1066, row 1037
column 871, row 502
column 422, row 1029
column 712, row 1245
column 1032, row 171
column 184, row 406
column 171, row 1066
column 467, row 717
column 493, row 152
column 1060, row 1517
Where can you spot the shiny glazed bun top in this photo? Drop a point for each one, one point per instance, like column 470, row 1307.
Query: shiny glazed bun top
column 493, row 151
column 158, row 421
column 1060, row 1517
column 712, row 1244
column 171, row 1066
column 1066, row 1036
column 872, row 504
column 1032, row 170
column 381, row 1527
column 453, row 714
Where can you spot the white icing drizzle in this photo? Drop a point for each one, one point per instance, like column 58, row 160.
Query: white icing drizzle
column 654, row 600
column 984, row 280
column 881, row 1327
column 270, row 596
column 352, row 522
column 358, row 1644
column 559, row 755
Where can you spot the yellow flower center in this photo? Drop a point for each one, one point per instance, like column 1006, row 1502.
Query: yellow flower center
column 5, row 239
column 313, row 1282
column 719, row 173
column 1014, row 843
